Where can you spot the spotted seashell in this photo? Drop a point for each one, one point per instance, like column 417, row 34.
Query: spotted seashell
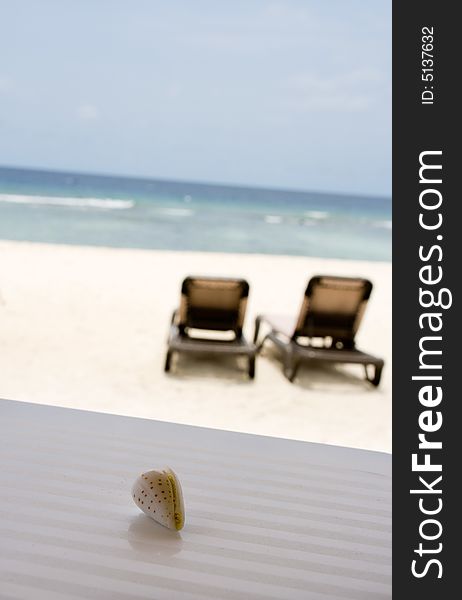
column 158, row 494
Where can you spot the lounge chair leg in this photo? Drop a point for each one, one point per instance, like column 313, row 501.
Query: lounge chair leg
column 168, row 360
column 260, row 345
column 291, row 365
column 257, row 329
column 252, row 367
column 375, row 379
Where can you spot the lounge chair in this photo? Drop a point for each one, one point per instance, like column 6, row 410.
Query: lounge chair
column 210, row 319
column 326, row 326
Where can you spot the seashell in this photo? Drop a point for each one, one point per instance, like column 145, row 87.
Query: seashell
column 158, row 494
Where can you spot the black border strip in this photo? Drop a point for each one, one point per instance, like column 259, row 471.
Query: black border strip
column 418, row 128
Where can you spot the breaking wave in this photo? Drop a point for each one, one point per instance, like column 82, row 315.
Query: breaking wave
column 384, row 224
column 316, row 214
column 177, row 212
column 273, row 219
column 99, row 203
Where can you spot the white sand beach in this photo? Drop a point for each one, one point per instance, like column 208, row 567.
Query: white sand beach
column 85, row 327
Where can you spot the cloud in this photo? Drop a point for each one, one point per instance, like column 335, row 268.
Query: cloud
column 288, row 12
column 353, row 91
column 173, row 90
column 87, row 112
column 5, row 85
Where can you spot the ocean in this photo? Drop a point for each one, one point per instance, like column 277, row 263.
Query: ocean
column 100, row 210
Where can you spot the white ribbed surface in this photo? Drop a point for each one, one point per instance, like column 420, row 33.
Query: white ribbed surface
column 265, row 518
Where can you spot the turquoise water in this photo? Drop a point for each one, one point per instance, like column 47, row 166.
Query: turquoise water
column 69, row 208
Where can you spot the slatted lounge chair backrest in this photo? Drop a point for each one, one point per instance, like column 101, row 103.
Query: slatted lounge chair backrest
column 333, row 307
column 211, row 303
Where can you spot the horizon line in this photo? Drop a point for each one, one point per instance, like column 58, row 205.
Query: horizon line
column 196, row 182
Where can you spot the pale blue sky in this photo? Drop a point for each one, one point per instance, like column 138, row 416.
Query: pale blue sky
column 291, row 93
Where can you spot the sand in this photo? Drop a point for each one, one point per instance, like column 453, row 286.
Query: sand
column 85, row 327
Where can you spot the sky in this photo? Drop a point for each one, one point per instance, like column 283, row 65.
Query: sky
column 292, row 94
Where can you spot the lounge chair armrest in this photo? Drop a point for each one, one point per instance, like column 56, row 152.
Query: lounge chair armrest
column 173, row 331
column 278, row 324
